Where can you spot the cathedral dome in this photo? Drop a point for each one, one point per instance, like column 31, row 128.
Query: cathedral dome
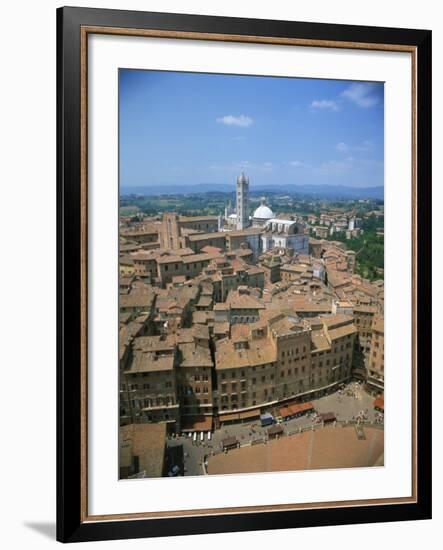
column 263, row 212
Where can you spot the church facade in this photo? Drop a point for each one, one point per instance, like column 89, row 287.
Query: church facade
column 285, row 234
column 274, row 232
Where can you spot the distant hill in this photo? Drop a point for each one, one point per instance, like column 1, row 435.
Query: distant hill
column 177, row 189
column 316, row 191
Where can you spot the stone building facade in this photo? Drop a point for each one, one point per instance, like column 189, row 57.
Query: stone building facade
column 376, row 367
column 148, row 387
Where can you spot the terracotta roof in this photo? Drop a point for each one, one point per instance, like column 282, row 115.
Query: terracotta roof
column 255, row 270
column 204, row 301
column 221, row 327
column 253, row 413
column 295, row 408
column 338, row 278
column 259, row 352
column 180, row 336
column 333, row 321
column 239, row 332
column 153, row 343
column 137, row 298
column 198, row 258
column 183, row 251
column 243, row 251
column 285, row 325
column 296, row 268
column 193, row 355
column 319, row 341
column 345, row 304
column 221, row 307
column 169, row 259
column 305, row 305
column 211, row 249
column 244, row 232
column 228, row 417
column 144, row 255
column 197, row 218
column 206, row 236
column 361, row 308
column 201, row 332
column 243, row 301
column 342, row 331
column 202, row 317
column 150, row 362
column 147, row 442
column 126, row 334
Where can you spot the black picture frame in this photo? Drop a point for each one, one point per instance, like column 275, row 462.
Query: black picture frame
column 71, row 526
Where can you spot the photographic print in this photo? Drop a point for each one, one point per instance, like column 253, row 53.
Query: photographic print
column 222, row 191
column 251, row 265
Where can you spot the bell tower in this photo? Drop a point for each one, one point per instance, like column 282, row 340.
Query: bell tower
column 242, row 201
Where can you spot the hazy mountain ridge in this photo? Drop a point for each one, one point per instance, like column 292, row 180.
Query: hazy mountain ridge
column 319, row 191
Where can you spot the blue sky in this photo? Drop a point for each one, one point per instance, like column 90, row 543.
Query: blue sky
column 189, row 128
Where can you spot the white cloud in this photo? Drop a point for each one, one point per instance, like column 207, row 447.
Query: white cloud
column 298, row 164
column 342, row 147
column 362, row 94
column 245, row 165
column 324, row 104
column 347, row 165
column 230, row 120
column 364, row 147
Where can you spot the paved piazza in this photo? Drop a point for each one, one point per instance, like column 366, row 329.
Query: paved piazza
column 347, row 405
column 329, row 447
